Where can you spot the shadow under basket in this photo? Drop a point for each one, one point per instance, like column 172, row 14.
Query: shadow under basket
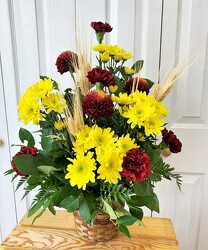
column 103, row 228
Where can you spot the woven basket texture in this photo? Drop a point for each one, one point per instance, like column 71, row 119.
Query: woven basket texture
column 102, row 230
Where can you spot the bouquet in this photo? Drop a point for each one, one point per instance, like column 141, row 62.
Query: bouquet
column 99, row 152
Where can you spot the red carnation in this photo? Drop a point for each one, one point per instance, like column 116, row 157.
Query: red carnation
column 102, row 76
column 66, row 61
column 97, row 104
column 139, row 83
column 101, row 27
column 171, row 140
column 24, row 150
column 136, row 165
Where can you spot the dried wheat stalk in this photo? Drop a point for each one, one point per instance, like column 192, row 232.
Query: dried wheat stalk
column 164, row 88
column 74, row 117
column 85, row 63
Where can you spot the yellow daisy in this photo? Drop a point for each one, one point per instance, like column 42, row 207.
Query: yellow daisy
column 110, row 164
column 59, row 125
column 42, row 88
column 80, row 172
column 54, row 102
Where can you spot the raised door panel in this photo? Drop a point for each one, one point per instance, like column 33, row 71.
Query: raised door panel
column 188, row 118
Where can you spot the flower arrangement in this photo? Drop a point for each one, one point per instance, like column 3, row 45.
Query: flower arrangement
column 99, row 152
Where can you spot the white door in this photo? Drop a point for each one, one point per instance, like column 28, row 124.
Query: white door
column 184, row 31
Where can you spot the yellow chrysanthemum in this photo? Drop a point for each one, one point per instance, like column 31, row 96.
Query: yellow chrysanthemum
column 138, row 113
column 122, row 99
column 103, row 136
column 80, row 172
column 104, row 57
column 59, row 125
column 54, row 102
column 118, row 57
column 112, row 49
column 99, row 47
column 113, row 88
column 129, row 71
column 42, row 88
column 29, row 109
column 110, row 164
column 125, row 143
column 161, row 109
column 153, row 126
column 126, row 55
column 84, row 139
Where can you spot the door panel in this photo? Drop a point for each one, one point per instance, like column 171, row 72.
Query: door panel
column 188, row 119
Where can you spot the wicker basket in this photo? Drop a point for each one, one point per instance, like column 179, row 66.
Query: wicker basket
column 102, row 230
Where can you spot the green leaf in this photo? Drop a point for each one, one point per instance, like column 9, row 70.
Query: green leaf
column 45, row 205
column 25, row 135
column 64, row 192
column 139, row 201
column 70, row 203
column 47, row 169
column 150, row 83
column 127, row 220
column 136, row 212
column 121, row 212
column 26, row 164
column 33, row 180
column 154, row 154
column 143, row 188
column 154, row 204
column 137, row 66
column 46, row 142
column 109, row 210
column 42, row 159
column 123, row 229
column 36, row 206
column 84, row 210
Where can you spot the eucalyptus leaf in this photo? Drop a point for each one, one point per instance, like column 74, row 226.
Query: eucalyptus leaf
column 127, row 220
column 109, row 210
column 137, row 66
column 47, row 169
column 154, row 204
column 70, row 203
column 139, row 201
column 25, row 135
column 142, row 188
column 25, row 163
column 136, row 212
column 84, row 210
column 123, row 229
column 150, row 83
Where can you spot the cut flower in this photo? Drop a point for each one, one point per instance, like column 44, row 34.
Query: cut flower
column 97, row 104
column 136, row 165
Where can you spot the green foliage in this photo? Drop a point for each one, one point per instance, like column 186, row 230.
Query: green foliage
column 138, row 65
column 123, row 229
column 159, row 169
column 25, row 135
column 87, row 206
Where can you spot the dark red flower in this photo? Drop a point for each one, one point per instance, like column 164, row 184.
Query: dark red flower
column 101, row 27
column 66, row 61
column 97, row 104
column 136, row 165
column 139, row 83
column 171, row 140
column 24, row 150
column 102, row 76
